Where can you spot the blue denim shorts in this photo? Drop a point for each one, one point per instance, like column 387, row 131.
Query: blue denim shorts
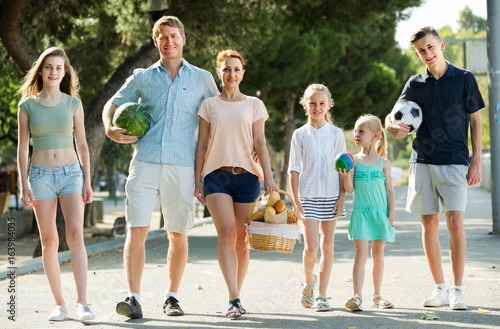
column 50, row 183
column 243, row 188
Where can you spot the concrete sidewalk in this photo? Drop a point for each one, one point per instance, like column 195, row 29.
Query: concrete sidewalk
column 271, row 292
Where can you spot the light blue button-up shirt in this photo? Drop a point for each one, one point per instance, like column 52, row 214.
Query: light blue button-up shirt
column 173, row 106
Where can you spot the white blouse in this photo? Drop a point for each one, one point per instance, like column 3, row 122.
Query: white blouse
column 312, row 155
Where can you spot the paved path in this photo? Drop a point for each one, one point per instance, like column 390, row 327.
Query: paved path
column 273, row 284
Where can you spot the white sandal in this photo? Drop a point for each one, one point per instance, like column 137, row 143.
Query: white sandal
column 322, row 304
column 354, row 304
column 382, row 303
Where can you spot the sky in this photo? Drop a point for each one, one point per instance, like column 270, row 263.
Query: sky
column 437, row 13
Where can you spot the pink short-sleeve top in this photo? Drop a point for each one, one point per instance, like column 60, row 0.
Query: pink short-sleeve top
column 231, row 133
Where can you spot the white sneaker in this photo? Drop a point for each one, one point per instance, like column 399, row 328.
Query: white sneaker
column 83, row 312
column 58, row 314
column 457, row 299
column 439, row 297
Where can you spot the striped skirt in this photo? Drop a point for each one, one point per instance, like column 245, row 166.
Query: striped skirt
column 320, row 208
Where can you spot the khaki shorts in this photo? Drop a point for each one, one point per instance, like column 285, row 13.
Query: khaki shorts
column 430, row 185
column 172, row 185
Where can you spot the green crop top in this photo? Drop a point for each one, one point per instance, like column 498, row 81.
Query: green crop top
column 51, row 127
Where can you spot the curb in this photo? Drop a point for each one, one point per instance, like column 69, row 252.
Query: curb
column 31, row 265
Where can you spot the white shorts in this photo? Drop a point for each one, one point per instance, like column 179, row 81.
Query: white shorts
column 430, row 185
column 173, row 185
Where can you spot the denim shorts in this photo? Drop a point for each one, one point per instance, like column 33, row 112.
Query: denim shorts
column 243, row 188
column 50, row 183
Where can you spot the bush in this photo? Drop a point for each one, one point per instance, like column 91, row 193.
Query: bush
column 402, row 163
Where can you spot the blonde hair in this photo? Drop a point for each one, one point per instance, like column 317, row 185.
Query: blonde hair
column 33, row 83
column 171, row 21
column 221, row 56
column 316, row 88
column 375, row 126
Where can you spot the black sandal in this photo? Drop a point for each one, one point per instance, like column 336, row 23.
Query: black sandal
column 233, row 312
column 242, row 310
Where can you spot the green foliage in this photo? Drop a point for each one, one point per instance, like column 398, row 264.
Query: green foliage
column 9, row 84
column 469, row 21
column 116, row 153
column 349, row 46
column 96, row 35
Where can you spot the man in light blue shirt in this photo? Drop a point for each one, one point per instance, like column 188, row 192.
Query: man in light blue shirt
column 162, row 166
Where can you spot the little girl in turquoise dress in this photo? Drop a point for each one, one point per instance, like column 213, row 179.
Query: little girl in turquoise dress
column 372, row 217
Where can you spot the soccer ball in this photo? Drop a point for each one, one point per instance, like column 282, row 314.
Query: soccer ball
column 409, row 113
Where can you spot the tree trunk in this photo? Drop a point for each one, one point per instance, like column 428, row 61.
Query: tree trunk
column 146, row 55
column 273, row 157
column 13, row 38
column 24, row 54
column 110, row 180
column 290, row 128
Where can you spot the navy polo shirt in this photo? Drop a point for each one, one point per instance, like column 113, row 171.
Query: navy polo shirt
column 442, row 138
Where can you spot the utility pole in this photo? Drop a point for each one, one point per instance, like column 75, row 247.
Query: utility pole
column 493, row 40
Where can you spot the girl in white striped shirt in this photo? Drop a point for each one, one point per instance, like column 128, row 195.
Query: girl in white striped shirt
column 317, row 189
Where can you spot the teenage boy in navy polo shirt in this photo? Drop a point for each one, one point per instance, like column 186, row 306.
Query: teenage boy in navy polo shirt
column 440, row 167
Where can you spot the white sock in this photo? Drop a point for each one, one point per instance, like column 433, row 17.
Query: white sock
column 136, row 295
column 457, row 287
column 442, row 285
column 170, row 294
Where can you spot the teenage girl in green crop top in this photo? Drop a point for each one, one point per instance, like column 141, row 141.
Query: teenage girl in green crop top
column 51, row 112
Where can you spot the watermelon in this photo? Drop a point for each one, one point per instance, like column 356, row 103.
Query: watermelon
column 344, row 160
column 132, row 117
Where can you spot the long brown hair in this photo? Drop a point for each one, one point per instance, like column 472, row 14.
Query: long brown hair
column 33, row 83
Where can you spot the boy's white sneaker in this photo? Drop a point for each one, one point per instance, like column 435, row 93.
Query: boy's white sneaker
column 457, row 299
column 58, row 314
column 439, row 297
column 83, row 312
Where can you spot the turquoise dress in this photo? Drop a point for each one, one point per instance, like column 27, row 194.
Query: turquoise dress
column 369, row 219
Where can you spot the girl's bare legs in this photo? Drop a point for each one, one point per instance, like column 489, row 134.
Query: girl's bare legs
column 358, row 271
column 378, row 266
column 45, row 213
column 326, row 260
column 310, row 255
column 72, row 206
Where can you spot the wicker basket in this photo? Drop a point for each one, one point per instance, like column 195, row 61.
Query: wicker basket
column 274, row 243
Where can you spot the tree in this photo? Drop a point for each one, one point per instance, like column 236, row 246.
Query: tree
column 469, row 21
column 350, row 47
column 21, row 39
column 347, row 45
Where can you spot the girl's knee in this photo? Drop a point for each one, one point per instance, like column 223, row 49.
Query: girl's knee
column 378, row 256
column 241, row 245
column 327, row 244
column 50, row 244
column 311, row 248
column 361, row 256
column 227, row 237
column 74, row 238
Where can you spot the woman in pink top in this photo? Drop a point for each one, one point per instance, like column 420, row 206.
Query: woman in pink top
column 231, row 128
